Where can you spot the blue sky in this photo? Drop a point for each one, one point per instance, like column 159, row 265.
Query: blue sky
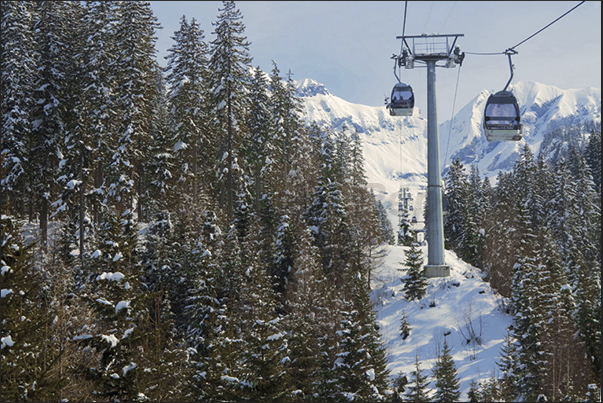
column 348, row 45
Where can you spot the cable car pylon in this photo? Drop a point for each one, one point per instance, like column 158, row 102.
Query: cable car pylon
column 431, row 49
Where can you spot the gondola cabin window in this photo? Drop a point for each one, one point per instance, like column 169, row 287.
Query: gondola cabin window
column 501, row 115
column 401, row 95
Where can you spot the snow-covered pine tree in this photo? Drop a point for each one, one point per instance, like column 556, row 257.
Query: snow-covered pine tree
column 446, row 377
column 229, row 86
column 593, row 157
column 488, row 390
column 387, row 231
column 285, row 253
column 200, row 300
column 186, row 77
column 327, row 216
column 342, row 158
column 222, row 377
column 117, row 295
column 274, row 243
column 88, row 125
column 520, row 188
column 473, row 393
column 587, row 285
column 562, row 218
column 285, row 109
column 405, row 327
column 405, row 235
column 135, row 72
column 265, row 351
column 51, row 104
column 99, row 93
column 473, row 236
column 26, row 319
column 364, row 222
column 118, row 300
column 161, row 192
column 307, row 315
column 529, row 319
column 18, row 63
column 575, row 215
column 364, row 359
column 507, row 366
column 165, row 359
column 457, row 189
column 416, row 389
column 326, row 385
column 295, row 163
column 586, row 209
column 259, row 149
column 415, row 282
column 567, row 375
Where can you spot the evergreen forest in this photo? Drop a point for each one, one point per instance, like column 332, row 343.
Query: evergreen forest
column 192, row 238
column 537, row 238
column 182, row 234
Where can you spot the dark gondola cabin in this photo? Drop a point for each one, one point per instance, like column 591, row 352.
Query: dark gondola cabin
column 402, row 100
column 502, row 118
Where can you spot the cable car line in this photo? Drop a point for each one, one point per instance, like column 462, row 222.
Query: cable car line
column 403, row 27
column 533, row 35
column 502, row 118
column 446, row 20
column 458, row 75
column 529, row 37
column 428, row 15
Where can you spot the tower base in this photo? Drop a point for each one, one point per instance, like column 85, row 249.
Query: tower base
column 432, row 271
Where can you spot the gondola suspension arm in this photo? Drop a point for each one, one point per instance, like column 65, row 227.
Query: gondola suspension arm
column 510, row 52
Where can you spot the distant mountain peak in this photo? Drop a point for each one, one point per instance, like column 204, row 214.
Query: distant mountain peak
column 309, row 88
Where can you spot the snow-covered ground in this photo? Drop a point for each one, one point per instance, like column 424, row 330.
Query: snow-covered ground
column 456, row 308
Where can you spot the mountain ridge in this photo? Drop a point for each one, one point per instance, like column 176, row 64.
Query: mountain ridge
column 395, row 148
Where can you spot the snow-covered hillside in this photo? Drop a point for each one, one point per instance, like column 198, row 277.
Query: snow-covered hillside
column 459, row 308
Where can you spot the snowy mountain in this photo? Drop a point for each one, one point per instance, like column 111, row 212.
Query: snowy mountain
column 543, row 108
column 395, row 148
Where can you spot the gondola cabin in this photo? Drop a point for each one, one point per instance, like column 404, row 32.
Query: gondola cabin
column 502, row 118
column 402, row 101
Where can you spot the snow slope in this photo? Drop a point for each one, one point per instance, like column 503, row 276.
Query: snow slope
column 454, row 308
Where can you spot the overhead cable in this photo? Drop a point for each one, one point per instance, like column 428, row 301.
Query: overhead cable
column 529, row 37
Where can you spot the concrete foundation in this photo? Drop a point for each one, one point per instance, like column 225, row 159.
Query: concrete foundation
column 432, row 271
